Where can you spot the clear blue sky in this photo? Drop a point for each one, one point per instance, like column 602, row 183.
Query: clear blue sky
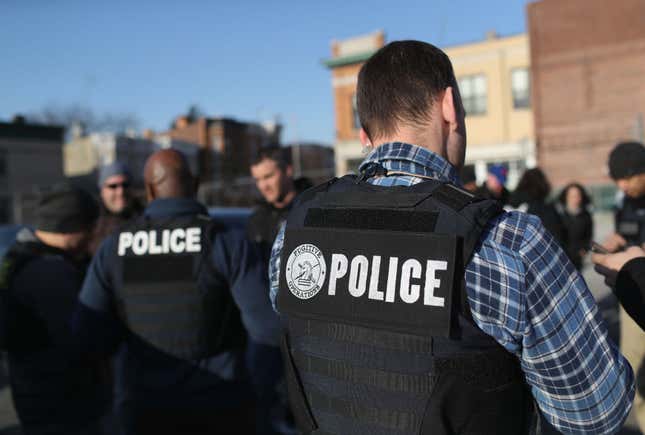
column 249, row 60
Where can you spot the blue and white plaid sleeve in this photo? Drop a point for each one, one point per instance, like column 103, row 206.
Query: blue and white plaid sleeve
column 274, row 265
column 525, row 293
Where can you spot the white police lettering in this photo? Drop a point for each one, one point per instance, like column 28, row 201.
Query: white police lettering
column 358, row 276
column 177, row 241
column 408, row 286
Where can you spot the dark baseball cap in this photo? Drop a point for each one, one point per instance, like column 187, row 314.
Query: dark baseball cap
column 626, row 159
column 66, row 209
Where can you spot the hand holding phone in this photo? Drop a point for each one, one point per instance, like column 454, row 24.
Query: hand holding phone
column 598, row 248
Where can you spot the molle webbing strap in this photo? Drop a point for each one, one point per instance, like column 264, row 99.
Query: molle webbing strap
column 381, row 379
column 372, row 219
column 395, row 419
column 364, row 336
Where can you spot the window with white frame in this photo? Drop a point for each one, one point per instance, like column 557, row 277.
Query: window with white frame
column 473, row 91
column 521, row 88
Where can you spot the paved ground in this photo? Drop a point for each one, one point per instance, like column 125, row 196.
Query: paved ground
column 607, row 303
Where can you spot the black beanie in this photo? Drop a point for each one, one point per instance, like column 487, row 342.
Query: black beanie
column 627, row 159
column 66, row 209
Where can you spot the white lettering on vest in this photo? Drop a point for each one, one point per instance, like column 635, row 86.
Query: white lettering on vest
column 410, row 292
column 140, row 243
column 358, row 276
column 165, row 241
column 391, row 279
column 154, row 248
column 177, row 244
column 376, row 269
column 338, row 270
column 432, row 283
column 177, row 241
column 125, row 242
column 408, row 288
column 193, row 237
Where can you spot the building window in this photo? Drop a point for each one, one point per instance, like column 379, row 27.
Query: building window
column 521, row 88
column 473, row 94
column 357, row 121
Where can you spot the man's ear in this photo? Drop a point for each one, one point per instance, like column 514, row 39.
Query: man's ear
column 449, row 108
column 150, row 193
column 365, row 139
column 288, row 170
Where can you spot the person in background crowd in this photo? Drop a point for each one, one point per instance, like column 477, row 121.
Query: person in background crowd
column 468, row 179
column 485, row 322
column 55, row 390
column 494, row 186
column 530, row 196
column 573, row 207
column 273, row 175
column 183, row 302
column 118, row 205
column 627, row 168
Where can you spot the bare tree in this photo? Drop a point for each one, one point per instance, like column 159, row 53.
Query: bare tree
column 78, row 114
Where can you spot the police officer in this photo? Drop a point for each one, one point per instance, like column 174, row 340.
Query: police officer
column 414, row 307
column 55, row 390
column 175, row 294
column 627, row 169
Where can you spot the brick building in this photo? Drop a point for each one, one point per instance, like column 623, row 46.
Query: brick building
column 588, row 65
column 226, row 145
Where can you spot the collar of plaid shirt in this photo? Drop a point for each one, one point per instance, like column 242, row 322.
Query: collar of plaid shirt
column 403, row 157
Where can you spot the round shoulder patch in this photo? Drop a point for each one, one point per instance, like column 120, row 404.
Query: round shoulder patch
column 306, row 270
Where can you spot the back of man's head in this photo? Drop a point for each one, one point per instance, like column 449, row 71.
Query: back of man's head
column 65, row 209
column 167, row 175
column 398, row 85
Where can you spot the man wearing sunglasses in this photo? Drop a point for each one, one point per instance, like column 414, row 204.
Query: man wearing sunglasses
column 118, row 205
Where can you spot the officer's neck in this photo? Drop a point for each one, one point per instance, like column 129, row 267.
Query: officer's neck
column 429, row 137
column 55, row 240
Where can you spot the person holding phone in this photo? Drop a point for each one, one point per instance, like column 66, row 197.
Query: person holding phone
column 624, row 272
column 627, row 168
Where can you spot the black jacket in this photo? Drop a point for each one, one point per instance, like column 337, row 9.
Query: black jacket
column 579, row 232
column 51, row 382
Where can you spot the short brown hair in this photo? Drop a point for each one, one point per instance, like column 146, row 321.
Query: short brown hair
column 280, row 155
column 398, row 83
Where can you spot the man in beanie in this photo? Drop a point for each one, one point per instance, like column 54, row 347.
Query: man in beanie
column 118, row 205
column 627, row 169
column 494, row 188
column 54, row 389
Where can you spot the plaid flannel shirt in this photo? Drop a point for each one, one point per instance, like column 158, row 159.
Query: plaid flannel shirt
column 525, row 293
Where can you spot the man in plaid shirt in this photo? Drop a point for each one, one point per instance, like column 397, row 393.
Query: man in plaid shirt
column 521, row 288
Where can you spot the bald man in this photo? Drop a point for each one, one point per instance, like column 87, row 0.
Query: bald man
column 182, row 301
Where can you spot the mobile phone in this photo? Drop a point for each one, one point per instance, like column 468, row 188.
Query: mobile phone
column 598, row 249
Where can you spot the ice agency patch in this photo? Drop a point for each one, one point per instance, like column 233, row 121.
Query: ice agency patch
column 306, row 270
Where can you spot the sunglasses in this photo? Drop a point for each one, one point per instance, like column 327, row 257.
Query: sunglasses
column 114, row 186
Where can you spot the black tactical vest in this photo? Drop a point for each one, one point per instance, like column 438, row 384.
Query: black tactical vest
column 161, row 264
column 630, row 220
column 379, row 335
